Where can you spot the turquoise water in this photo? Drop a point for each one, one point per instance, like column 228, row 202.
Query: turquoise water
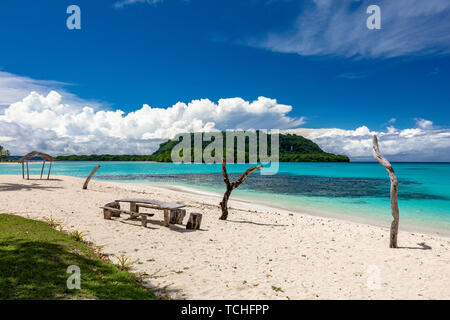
column 358, row 191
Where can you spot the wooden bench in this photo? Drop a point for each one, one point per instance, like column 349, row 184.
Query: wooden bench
column 107, row 214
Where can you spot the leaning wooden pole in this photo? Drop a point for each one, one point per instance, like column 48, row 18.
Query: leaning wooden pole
column 85, row 185
column 49, row 169
column 23, row 170
column 231, row 186
column 42, row 170
column 394, row 192
column 28, row 172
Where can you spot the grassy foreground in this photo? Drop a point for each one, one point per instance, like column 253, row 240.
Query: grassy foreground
column 34, row 259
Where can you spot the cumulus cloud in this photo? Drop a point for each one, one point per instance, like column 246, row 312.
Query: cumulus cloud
column 14, row 87
column 58, row 122
column 327, row 27
column 412, row 144
column 48, row 123
column 424, row 124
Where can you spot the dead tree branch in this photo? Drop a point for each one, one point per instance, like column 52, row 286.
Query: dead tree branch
column 231, row 186
column 394, row 192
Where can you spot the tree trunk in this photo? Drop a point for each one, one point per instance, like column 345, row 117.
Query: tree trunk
column 194, row 222
column 144, row 220
column 177, row 216
column 85, row 185
column 224, row 204
column 231, row 186
column 394, row 192
column 108, row 213
column 166, row 218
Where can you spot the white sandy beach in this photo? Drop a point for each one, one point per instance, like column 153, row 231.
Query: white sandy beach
column 258, row 250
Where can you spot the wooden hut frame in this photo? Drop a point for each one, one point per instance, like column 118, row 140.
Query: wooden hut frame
column 35, row 154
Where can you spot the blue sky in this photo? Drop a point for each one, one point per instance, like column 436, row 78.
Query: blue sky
column 316, row 56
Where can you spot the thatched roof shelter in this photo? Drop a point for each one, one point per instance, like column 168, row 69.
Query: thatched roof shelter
column 36, row 154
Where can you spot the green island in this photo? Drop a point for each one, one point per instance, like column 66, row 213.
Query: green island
column 293, row 148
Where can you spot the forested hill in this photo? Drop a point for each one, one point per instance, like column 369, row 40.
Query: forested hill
column 293, row 148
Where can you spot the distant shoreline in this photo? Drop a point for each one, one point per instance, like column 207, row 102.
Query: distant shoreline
column 152, row 161
column 336, row 204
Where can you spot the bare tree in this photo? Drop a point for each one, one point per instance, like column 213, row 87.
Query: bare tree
column 232, row 186
column 394, row 192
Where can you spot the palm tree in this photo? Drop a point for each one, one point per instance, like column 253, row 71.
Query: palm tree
column 4, row 154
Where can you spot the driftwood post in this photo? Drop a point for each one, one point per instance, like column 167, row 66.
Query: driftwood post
column 177, row 216
column 42, row 170
column 144, row 220
column 110, row 213
column 231, row 186
column 166, row 217
column 194, row 222
column 394, row 192
column 85, row 185
column 49, row 169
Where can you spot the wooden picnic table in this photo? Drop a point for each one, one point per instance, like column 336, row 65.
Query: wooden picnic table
column 136, row 203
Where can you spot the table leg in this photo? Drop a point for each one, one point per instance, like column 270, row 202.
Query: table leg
column 134, row 208
column 166, row 217
column 144, row 220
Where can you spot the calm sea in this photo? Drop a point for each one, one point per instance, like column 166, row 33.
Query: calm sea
column 357, row 191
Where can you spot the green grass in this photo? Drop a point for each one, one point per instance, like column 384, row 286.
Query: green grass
column 277, row 289
column 34, row 260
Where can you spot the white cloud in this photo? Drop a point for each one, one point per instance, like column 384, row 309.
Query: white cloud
column 61, row 123
column 14, row 88
column 123, row 3
column 424, row 124
column 327, row 27
column 412, row 144
column 50, row 124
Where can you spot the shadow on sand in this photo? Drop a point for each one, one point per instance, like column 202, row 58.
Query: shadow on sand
column 45, row 179
column 258, row 224
column 422, row 246
column 173, row 227
column 27, row 187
